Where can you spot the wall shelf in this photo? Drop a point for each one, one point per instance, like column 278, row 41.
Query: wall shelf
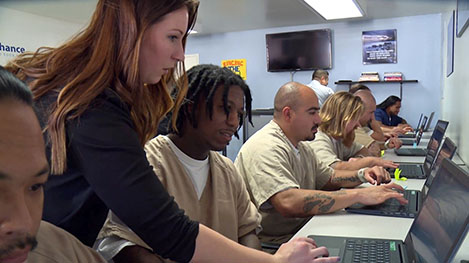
column 350, row 83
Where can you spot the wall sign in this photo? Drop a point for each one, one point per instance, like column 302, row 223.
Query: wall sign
column 379, row 46
column 238, row 66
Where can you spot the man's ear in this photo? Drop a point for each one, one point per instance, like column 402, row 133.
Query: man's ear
column 287, row 113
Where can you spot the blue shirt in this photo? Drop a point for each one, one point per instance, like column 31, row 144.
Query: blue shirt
column 384, row 118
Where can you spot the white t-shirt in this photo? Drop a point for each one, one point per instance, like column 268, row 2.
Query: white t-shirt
column 196, row 169
column 323, row 92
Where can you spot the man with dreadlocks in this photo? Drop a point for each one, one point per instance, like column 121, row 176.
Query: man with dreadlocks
column 204, row 183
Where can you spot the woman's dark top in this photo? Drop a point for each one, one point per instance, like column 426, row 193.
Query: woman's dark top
column 107, row 169
column 384, row 118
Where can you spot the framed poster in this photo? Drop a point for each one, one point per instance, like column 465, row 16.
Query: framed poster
column 462, row 16
column 450, row 46
column 379, row 46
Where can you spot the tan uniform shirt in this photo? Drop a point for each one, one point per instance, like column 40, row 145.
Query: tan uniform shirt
column 269, row 163
column 224, row 205
column 330, row 150
column 362, row 137
column 56, row 245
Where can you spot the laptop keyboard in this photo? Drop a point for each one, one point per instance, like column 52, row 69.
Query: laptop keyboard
column 393, row 207
column 411, row 170
column 368, row 250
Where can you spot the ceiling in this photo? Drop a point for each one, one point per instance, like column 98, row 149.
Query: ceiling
column 219, row 16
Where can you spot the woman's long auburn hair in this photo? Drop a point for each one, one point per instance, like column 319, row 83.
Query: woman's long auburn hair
column 105, row 55
column 338, row 110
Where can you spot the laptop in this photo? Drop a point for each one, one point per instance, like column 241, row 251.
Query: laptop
column 429, row 121
column 435, row 235
column 411, row 141
column 422, row 171
column 414, row 133
column 392, row 207
column 436, row 138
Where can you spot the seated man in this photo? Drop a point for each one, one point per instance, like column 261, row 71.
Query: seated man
column 387, row 115
column 334, row 143
column 203, row 182
column 369, row 133
column 23, row 172
column 285, row 179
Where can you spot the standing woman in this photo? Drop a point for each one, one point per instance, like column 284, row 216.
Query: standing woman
column 100, row 97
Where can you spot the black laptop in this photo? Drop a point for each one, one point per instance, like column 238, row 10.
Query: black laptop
column 435, row 235
column 414, row 133
column 392, row 207
column 429, row 121
column 422, row 171
column 436, row 138
column 411, row 141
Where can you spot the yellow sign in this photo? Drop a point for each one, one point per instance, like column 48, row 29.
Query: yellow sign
column 238, row 66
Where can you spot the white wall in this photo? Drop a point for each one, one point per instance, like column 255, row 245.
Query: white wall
column 31, row 31
column 455, row 100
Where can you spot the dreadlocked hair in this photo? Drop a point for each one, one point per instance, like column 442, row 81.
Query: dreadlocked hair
column 204, row 80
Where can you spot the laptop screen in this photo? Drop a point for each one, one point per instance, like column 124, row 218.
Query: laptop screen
column 420, row 131
column 437, row 137
column 447, row 151
column 444, row 215
column 433, row 146
column 429, row 121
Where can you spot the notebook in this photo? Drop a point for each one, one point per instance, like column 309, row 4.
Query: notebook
column 419, row 135
column 436, row 138
column 435, row 235
column 392, row 207
column 422, row 171
column 414, row 133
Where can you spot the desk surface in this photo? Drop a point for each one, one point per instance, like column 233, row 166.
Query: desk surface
column 342, row 223
column 392, row 156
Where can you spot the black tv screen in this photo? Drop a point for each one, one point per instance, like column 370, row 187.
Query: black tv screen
column 301, row 50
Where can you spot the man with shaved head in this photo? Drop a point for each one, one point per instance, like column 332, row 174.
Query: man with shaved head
column 23, row 173
column 370, row 133
column 287, row 183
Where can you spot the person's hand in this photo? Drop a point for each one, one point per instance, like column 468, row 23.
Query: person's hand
column 377, row 194
column 406, row 127
column 398, row 130
column 302, row 250
column 394, row 143
column 385, row 163
column 390, row 134
column 377, row 175
column 135, row 254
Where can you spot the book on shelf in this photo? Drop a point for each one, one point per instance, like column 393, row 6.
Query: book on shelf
column 393, row 76
column 369, row 76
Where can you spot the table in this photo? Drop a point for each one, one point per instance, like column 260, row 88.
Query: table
column 342, row 223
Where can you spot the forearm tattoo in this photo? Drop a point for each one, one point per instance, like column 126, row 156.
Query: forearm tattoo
column 323, row 201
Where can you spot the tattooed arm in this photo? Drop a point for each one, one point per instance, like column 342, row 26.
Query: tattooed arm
column 303, row 203
column 348, row 179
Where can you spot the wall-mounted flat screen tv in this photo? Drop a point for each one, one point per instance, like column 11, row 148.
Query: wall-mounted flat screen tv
column 301, row 50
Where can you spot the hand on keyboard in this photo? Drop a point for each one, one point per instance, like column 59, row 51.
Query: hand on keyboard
column 379, row 194
column 377, row 175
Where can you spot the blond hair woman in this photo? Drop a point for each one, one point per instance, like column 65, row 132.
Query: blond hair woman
column 334, row 143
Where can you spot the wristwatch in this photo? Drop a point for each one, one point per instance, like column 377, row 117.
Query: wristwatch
column 361, row 175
